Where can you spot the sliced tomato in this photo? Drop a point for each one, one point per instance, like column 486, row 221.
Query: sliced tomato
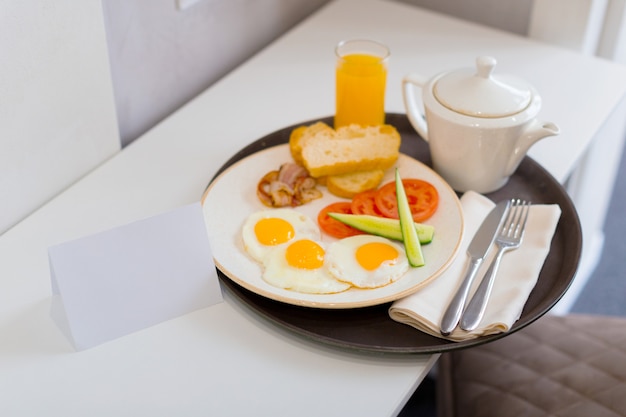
column 364, row 203
column 334, row 227
column 422, row 195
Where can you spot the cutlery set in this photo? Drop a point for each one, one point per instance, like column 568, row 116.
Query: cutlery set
column 505, row 226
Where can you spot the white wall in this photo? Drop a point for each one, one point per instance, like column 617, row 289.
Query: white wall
column 612, row 42
column 60, row 94
column 57, row 116
column 62, row 97
column 512, row 16
column 161, row 56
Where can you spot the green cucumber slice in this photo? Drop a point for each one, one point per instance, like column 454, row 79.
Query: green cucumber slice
column 382, row 226
column 409, row 234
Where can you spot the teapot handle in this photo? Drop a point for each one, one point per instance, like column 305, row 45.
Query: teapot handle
column 414, row 104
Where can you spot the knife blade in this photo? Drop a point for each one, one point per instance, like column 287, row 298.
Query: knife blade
column 477, row 250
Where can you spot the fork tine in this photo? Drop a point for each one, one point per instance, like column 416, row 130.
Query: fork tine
column 520, row 225
column 523, row 226
column 510, row 221
column 509, row 225
column 516, row 220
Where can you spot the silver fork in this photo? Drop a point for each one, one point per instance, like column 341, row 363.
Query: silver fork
column 509, row 238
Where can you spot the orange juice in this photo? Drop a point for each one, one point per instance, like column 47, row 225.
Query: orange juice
column 360, row 89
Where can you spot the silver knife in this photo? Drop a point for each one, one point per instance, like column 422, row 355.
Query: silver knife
column 477, row 250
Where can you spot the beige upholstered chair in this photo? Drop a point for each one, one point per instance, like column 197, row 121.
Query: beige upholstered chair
column 573, row 366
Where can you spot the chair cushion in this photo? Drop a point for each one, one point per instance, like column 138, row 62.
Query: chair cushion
column 558, row 366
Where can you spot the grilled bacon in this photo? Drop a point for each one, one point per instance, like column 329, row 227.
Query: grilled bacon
column 290, row 186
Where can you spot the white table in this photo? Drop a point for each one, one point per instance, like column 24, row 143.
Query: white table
column 224, row 360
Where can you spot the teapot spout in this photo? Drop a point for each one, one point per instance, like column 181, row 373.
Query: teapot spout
column 533, row 133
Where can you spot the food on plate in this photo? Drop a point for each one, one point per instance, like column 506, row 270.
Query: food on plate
column 366, row 261
column 299, row 266
column 288, row 246
column 301, row 134
column 349, row 160
column 295, row 144
column 339, row 219
column 422, row 197
column 289, row 186
column 358, row 179
column 333, row 227
column 351, row 184
column 363, row 149
column 383, row 226
column 412, row 246
column 365, row 203
column 325, row 151
column 343, row 219
column 264, row 230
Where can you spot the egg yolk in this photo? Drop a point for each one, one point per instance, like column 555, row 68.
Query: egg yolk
column 273, row 231
column 305, row 254
column 371, row 255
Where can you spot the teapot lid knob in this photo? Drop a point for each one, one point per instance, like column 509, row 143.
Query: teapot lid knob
column 485, row 66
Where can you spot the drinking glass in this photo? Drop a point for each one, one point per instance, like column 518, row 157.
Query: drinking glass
column 361, row 76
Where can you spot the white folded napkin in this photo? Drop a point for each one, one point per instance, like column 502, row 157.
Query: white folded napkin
column 515, row 279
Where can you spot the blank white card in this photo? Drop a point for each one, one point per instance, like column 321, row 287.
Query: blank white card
column 131, row 277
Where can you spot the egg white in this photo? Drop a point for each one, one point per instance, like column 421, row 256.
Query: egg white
column 279, row 273
column 343, row 265
column 303, row 225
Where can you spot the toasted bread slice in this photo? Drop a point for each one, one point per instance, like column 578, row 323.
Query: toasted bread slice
column 300, row 135
column 351, row 149
column 349, row 185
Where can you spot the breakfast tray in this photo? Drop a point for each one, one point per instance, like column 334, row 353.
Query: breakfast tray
column 370, row 328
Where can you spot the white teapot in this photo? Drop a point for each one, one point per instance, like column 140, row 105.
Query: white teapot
column 478, row 125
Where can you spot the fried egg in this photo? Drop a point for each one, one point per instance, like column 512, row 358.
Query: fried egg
column 300, row 266
column 366, row 261
column 264, row 230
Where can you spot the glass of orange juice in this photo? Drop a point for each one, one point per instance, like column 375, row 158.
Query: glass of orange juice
column 361, row 75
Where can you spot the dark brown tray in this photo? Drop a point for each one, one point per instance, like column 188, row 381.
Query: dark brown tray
column 370, row 328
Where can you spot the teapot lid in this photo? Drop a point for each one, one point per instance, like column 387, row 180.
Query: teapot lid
column 480, row 94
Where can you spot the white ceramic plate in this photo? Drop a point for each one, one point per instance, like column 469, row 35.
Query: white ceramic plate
column 231, row 198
